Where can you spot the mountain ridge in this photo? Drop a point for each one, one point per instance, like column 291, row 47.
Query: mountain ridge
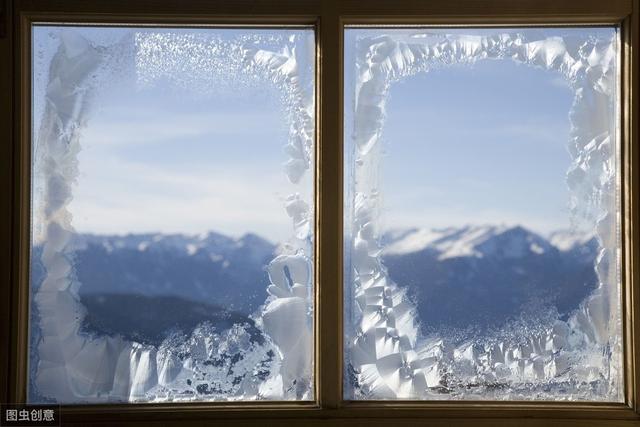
column 473, row 276
column 403, row 241
column 484, row 276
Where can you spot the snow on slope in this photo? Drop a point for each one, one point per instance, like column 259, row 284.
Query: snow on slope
column 479, row 241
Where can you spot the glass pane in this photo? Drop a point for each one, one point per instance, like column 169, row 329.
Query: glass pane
column 172, row 238
column 482, row 214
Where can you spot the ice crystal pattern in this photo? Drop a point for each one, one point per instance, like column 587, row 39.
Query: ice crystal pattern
column 263, row 360
column 574, row 359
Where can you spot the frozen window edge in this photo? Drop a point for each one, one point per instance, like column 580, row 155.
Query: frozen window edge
column 70, row 366
column 385, row 356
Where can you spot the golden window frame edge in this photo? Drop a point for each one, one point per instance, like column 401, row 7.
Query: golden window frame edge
column 329, row 14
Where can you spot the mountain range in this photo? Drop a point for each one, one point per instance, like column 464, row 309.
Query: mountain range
column 482, row 276
column 475, row 276
column 209, row 267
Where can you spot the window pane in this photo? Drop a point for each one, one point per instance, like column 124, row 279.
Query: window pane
column 482, row 214
column 172, row 224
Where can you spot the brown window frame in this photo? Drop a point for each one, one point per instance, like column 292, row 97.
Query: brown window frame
column 329, row 17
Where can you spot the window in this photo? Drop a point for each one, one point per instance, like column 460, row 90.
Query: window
column 481, row 214
column 352, row 220
column 170, row 248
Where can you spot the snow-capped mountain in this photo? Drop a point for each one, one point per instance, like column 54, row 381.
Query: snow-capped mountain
column 216, row 246
column 470, row 241
column 480, row 276
column 483, row 240
column 143, row 286
column 211, row 268
column 476, row 276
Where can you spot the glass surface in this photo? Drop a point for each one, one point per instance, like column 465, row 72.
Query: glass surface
column 482, row 214
column 172, row 212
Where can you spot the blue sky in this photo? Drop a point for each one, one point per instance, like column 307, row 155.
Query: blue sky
column 162, row 158
column 183, row 165
column 480, row 144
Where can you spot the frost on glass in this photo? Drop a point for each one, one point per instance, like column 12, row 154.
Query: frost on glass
column 269, row 356
column 387, row 356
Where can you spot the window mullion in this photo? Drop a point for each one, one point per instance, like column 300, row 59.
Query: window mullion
column 329, row 208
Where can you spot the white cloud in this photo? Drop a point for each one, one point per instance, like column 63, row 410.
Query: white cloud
column 113, row 196
column 126, row 126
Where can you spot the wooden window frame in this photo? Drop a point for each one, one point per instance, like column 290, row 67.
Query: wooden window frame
column 329, row 17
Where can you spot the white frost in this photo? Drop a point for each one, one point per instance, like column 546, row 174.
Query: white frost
column 579, row 359
column 70, row 366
